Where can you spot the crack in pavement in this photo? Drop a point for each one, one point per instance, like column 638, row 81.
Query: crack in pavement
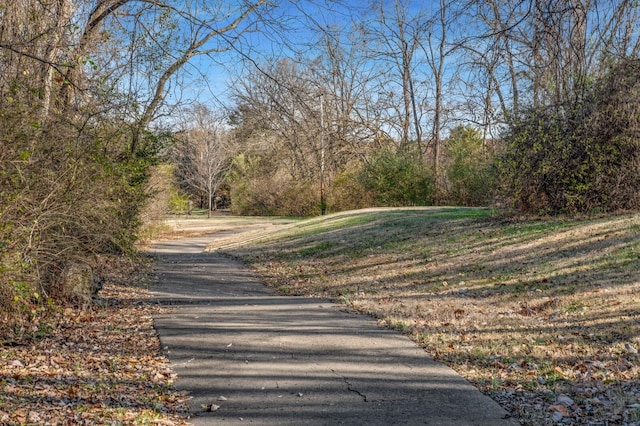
column 350, row 386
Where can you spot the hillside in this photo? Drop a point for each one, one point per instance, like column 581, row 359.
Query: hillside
column 541, row 315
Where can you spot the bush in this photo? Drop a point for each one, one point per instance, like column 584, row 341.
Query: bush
column 68, row 192
column 580, row 157
column 469, row 172
column 275, row 196
column 260, row 191
column 347, row 192
column 397, row 179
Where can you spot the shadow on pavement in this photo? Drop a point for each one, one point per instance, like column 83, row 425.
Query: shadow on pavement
column 266, row 359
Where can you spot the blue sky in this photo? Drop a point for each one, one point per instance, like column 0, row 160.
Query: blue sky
column 209, row 78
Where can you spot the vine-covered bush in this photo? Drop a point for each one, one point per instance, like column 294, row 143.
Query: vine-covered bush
column 68, row 194
column 347, row 192
column 581, row 157
column 259, row 189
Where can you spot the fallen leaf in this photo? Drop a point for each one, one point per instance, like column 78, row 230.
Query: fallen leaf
column 630, row 349
column 564, row 400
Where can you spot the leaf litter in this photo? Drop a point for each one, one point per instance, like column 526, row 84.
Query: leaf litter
column 542, row 316
column 99, row 365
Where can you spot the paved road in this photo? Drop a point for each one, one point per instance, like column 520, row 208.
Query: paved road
column 260, row 358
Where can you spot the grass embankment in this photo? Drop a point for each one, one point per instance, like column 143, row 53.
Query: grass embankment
column 541, row 315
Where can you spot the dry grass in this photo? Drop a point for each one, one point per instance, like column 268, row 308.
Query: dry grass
column 541, row 315
column 229, row 230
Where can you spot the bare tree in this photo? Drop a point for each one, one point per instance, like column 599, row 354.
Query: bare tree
column 312, row 112
column 437, row 50
column 348, row 84
column 78, row 46
column 204, row 152
column 75, row 75
column 547, row 50
column 399, row 35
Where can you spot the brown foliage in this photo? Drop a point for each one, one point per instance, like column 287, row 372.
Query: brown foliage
column 66, row 196
column 100, row 366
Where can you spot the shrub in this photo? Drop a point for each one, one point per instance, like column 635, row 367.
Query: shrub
column 347, row 192
column 469, row 172
column 261, row 191
column 396, row 179
column 68, row 192
column 580, row 157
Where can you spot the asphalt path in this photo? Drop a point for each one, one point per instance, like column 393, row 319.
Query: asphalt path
column 250, row 356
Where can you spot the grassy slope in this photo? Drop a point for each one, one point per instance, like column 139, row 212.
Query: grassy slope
column 542, row 315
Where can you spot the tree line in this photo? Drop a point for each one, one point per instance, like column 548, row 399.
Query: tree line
column 451, row 102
